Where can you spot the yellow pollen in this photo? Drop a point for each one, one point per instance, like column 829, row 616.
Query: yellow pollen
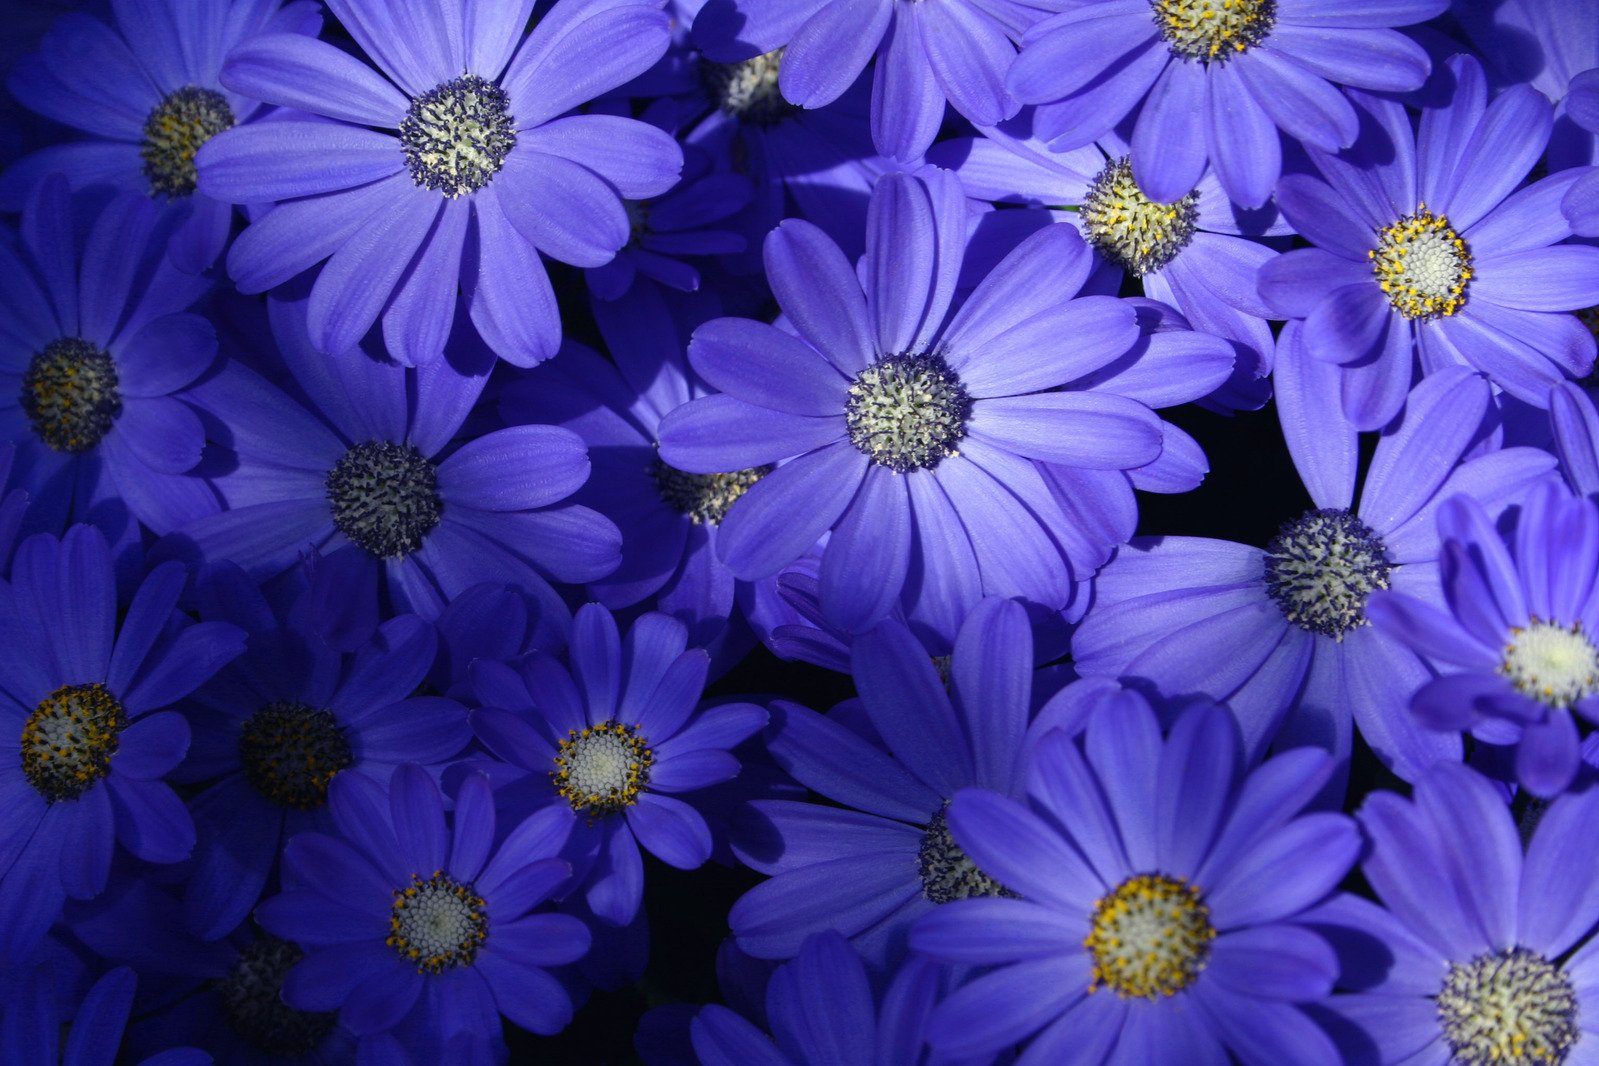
column 602, row 769
column 1150, row 938
column 1422, row 265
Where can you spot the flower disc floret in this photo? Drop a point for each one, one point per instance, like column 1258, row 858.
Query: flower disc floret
column 1321, row 568
column 68, row 740
column 907, row 412
column 438, row 923
column 252, row 1003
column 1150, row 937
column 1553, row 664
column 70, row 394
column 1131, row 229
column 1423, row 265
column 1213, row 30
column 290, row 753
column 703, row 498
column 385, row 497
column 456, row 136
column 175, row 130
column 602, row 769
column 748, row 91
column 1508, row 1008
column 947, row 872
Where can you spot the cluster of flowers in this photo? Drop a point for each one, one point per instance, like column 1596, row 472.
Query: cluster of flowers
column 357, row 618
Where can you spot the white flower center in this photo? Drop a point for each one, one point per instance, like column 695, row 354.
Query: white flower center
column 1555, row 665
column 1510, row 1008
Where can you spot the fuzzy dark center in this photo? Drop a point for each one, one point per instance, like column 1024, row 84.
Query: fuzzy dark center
column 290, row 753
column 1510, row 1008
column 69, row 739
column 385, row 497
column 253, row 1007
column 703, row 498
column 176, row 129
column 1321, row 568
column 70, row 394
column 456, row 136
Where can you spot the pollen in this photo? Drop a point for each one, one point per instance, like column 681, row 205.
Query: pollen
column 946, row 871
column 385, row 497
column 1422, row 265
column 71, row 394
column 602, row 769
column 748, row 91
column 290, row 753
column 177, row 128
column 456, row 136
column 1150, row 937
column 1213, row 31
column 1322, row 567
column 907, row 412
column 252, row 1005
column 1131, row 229
column 703, row 499
column 69, row 739
column 1509, row 1008
column 437, row 923
column 1553, row 664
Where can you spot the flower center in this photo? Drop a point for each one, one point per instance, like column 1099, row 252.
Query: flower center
column 602, row 769
column 947, row 872
column 1213, row 30
column 385, row 497
column 1555, row 665
column 1150, row 937
column 1423, row 265
column 456, row 136
column 70, row 394
column 437, row 923
column 748, row 91
column 1510, row 1008
column 254, row 1010
column 703, row 498
column 1321, row 567
column 1131, row 229
column 68, row 740
column 907, row 412
column 290, row 753
column 175, row 130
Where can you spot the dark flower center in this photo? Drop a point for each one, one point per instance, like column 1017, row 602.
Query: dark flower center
column 252, row 1005
column 907, row 412
column 456, row 136
column 602, row 769
column 947, row 872
column 1131, row 229
column 175, row 130
column 290, row 753
column 703, row 498
column 385, row 497
column 1509, row 1008
column 1213, row 30
column 68, row 740
column 748, row 91
column 438, row 923
column 1320, row 569
column 1149, row 938
column 1423, row 265
column 70, row 394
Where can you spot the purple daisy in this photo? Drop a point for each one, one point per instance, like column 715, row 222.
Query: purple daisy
column 1159, row 891
column 427, row 930
column 148, row 90
column 933, row 444
column 1479, row 952
column 86, row 699
column 1429, row 252
column 1215, row 80
column 460, row 145
column 1514, row 634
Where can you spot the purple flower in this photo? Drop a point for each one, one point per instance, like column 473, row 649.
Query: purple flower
column 453, row 166
column 1581, row 205
column 1160, row 888
column 1478, row 952
column 1214, row 80
column 1514, row 635
column 429, row 930
column 1426, row 252
column 1575, row 423
column 32, row 1029
column 925, row 440
column 86, row 701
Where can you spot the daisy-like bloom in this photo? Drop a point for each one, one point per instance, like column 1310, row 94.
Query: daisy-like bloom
column 934, row 444
column 1216, row 80
column 278, row 724
column 94, row 374
column 147, row 91
column 956, row 51
column 880, row 854
column 459, row 131
column 366, row 470
column 1282, row 634
column 426, row 929
column 1480, row 954
column 1514, row 637
column 85, row 698
column 608, row 745
column 1159, row 890
column 1426, row 252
